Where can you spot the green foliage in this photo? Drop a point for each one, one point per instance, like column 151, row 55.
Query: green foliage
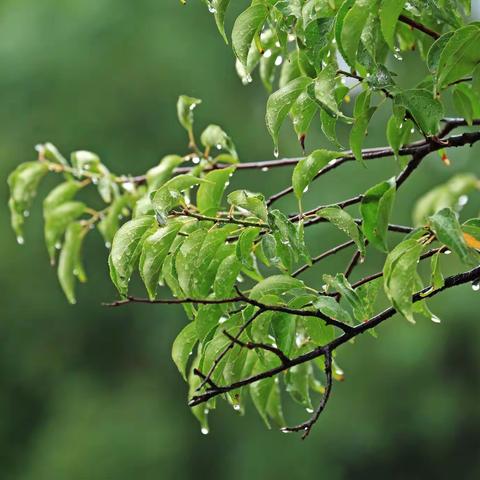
column 178, row 226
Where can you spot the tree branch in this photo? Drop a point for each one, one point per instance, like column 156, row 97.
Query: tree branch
column 450, row 282
column 419, row 26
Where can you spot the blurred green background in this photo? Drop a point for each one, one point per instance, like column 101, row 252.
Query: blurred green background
column 91, row 393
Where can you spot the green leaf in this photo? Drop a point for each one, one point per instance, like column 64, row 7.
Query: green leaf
column 246, row 26
column 437, row 277
column 110, row 223
column 185, row 107
column 389, row 13
column 126, row 250
column 459, row 56
column 340, row 284
column 298, row 383
column 426, row 110
column 352, row 28
column 23, row 183
column 214, row 137
column 433, row 56
column 302, row 113
column 445, row 226
column 465, row 102
column 307, row 168
column 284, row 330
column 245, row 245
column 376, row 208
column 447, row 195
column 266, row 398
column 158, row 175
column 275, row 285
column 69, row 265
column 252, row 202
column 323, row 91
column 56, row 222
column 219, row 8
column 399, row 273
column 362, row 115
column 280, row 103
column 226, row 276
column 154, row 251
column 169, row 195
column 398, row 130
column 183, row 346
column 344, row 222
column 210, row 192
column 60, row 194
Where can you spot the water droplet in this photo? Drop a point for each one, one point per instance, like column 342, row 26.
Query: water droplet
column 128, row 186
column 279, row 60
column 309, row 410
column 305, row 190
column 412, row 130
column 58, row 245
column 264, row 169
column 435, row 319
column 268, row 53
column 285, row 430
column 476, row 285
column 463, row 200
column 447, row 252
column 236, row 407
column 196, row 160
column 222, row 320
column 108, row 245
column 20, row 240
column 204, row 431
column 275, row 152
column 26, row 213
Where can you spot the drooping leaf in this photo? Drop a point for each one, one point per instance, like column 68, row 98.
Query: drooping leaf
column 426, row 110
column 57, row 220
column 307, row 168
column 246, row 26
column 23, row 183
column 444, row 224
column 376, row 207
column 399, row 274
column 352, row 27
column 280, row 103
column 126, row 250
column 219, row 7
column 69, row 264
column 183, row 346
column 210, row 192
column 169, row 195
column 459, row 56
column 362, row 114
column 390, row 10
column 251, row 202
column 344, row 222
column 154, row 250
column 185, row 107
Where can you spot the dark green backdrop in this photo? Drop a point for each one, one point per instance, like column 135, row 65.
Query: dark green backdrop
column 91, row 393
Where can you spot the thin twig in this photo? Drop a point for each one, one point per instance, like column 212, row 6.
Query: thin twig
column 307, row 426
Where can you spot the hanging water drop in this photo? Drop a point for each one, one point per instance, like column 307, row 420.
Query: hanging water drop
column 309, row 410
column 463, row 200
column 108, row 245
column 268, row 53
column 435, row 319
column 476, row 285
column 276, row 152
column 20, row 240
column 447, row 252
column 26, row 213
column 264, row 169
column 236, row 407
column 204, row 431
column 278, row 60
